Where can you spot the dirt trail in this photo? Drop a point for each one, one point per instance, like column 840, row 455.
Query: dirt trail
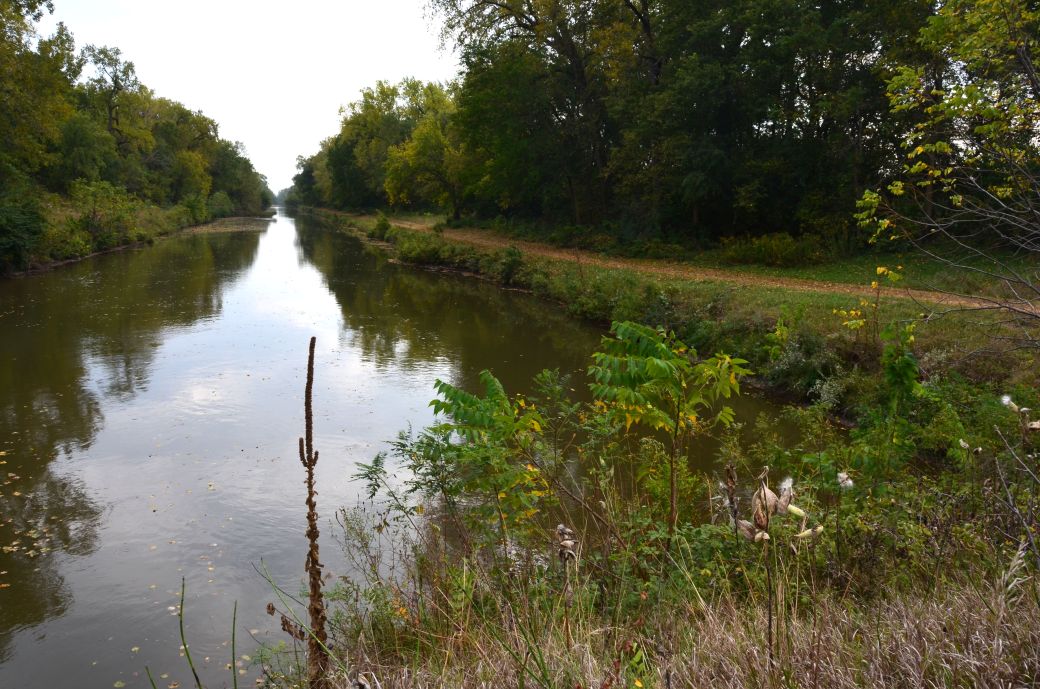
column 486, row 240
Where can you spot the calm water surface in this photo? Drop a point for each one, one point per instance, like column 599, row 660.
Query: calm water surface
column 150, row 403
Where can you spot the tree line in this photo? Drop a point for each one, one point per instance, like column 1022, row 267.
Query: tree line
column 92, row 158
column 696, row 118
column 692, row 120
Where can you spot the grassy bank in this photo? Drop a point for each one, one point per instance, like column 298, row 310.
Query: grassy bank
column 543, row 542
column 810, row 257
column 801, row 342
column 100, row 218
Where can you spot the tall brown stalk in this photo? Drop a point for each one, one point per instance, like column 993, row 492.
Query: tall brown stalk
column 317, row 640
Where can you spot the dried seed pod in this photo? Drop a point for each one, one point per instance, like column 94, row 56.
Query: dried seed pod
column 746, row 529
column 763, row 503
column 563, row 532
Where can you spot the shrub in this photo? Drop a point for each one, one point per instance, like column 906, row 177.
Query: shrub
column 778, row 249
column 105, row 212
column 220, row 205
column 380, row 229
column 21, row 226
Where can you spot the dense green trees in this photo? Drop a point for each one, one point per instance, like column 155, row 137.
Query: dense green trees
column 690, row 118
column 84, row 142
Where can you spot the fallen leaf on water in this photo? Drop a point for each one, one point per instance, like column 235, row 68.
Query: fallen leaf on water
column 119, row 684
column 135, row 649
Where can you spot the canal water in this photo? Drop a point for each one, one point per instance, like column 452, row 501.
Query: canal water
column 150, row 405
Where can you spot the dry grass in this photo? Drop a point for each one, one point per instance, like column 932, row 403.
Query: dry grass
column 960, row 637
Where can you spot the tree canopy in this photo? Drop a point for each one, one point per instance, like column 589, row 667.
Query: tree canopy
column 80, row 119
column 689, row 118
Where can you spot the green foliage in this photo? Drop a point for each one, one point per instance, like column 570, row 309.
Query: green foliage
column 104, row 212
column 676, row 122
column 21, row 225
column 106, row 141
column 776, row 249
column 648, row 377
column 220, row 205
column 380, row 228
column 968, row 182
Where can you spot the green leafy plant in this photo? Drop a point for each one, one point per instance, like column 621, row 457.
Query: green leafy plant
column 649, row 377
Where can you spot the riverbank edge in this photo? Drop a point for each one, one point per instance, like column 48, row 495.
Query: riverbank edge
column 52, row 265
column 797, row 340
column 394, row 644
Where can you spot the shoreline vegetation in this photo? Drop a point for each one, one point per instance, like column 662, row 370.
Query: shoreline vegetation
column 732, row 313
column 228, row 224
column 899, row 552
column 92, row 159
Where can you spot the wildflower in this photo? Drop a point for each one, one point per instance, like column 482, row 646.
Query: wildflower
column 843, row 480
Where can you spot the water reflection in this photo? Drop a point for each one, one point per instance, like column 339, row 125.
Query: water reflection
column 73, row 339
column 150, row 403
column 408, row 316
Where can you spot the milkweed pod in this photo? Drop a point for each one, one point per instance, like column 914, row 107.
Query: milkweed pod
column 1033, row 426
column 811, row 533
column 759, row 511
column 796, row 511
column 964, row 445
column 746, row 529
column 761, row 536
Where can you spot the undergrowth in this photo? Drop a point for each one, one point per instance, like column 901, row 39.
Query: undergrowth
column 540, row 541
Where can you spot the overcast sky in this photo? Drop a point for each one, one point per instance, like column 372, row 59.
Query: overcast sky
column 272, row 74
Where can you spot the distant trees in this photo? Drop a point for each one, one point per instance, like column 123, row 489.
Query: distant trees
column 78, row 121
column 692, row 118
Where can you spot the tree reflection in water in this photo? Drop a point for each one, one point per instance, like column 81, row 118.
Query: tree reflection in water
column 73, row 338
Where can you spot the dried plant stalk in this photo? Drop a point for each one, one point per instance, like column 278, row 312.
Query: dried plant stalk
column 317, row 641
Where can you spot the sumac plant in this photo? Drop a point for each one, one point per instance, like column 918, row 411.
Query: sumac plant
column 649, row 377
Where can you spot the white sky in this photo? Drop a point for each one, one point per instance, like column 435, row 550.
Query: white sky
column 272, row 74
